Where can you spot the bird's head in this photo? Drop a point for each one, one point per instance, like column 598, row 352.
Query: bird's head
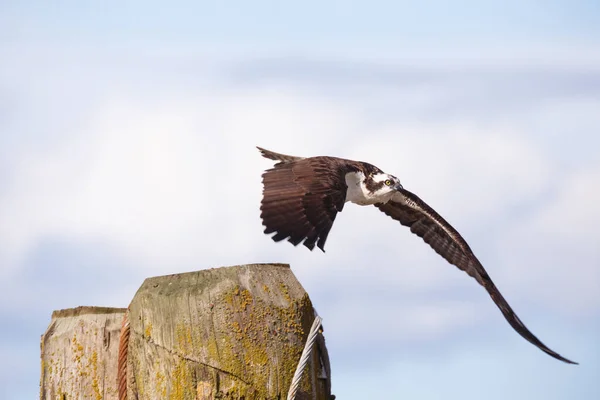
column 382, row 186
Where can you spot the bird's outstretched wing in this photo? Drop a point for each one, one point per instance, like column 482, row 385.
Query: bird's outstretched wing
column 411, row 211
column 301, row 199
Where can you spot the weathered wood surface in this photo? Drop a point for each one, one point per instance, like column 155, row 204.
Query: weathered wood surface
column 79, row 354
column 225, row 333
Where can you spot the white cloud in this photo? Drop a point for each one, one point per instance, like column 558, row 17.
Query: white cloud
column 163, row 179
column 555, row 251
column 397, row 319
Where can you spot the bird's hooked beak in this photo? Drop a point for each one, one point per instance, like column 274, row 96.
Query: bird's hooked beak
column 398, row 186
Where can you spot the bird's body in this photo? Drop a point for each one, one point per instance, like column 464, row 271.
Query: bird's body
column 302, row 197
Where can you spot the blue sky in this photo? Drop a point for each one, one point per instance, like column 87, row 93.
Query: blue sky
column 127, row 136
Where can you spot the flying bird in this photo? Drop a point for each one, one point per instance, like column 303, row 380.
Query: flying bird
column 302, row 197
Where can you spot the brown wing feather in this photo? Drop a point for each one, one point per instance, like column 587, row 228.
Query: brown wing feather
column 411, row 211
column 301, row 199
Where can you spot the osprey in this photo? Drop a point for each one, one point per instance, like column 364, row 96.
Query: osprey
column 302, row 196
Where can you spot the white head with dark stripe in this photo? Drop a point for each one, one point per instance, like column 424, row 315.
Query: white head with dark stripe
column 370, row 185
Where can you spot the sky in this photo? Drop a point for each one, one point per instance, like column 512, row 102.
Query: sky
column 127, row 134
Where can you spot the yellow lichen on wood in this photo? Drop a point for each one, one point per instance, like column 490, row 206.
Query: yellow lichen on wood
column 148, row 330
column 161, row 386
column 181, row 382
column 93, row 361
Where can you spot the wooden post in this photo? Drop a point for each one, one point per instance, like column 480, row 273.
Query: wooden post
column 79, row 354
column 226, row 333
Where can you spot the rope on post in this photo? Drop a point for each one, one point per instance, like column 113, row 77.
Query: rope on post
column 122, row 361
column 312, row 335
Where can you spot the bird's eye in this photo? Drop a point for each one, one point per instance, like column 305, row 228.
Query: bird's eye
column 388, row 182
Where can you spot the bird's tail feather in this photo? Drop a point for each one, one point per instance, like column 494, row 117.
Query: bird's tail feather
column 284, row 158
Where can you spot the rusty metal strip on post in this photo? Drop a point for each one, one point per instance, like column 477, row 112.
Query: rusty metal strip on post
column 122, row 363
